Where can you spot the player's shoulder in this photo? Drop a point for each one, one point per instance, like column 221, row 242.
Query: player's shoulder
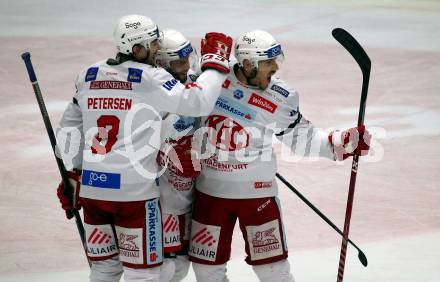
column 278, row 86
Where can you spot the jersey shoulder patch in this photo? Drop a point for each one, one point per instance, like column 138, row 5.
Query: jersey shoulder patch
column 280, row 90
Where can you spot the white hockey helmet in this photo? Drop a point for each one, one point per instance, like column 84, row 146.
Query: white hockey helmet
column 174, row 46
column 255, row 46
column 134, row 29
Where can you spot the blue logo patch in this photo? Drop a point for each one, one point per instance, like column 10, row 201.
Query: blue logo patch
column 184, row 123
column 193, row 77
column 91, row 74
column 169, row 84
column 238, row 94
column 185, row 51
column 274, row 51
column 280, row 90
column 154, row 232
column 101, row 179
column 134, row 75
column 235, row 109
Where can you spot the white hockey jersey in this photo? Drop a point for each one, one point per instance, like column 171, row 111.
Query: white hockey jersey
column 240, row 131
column 118, row 109
column 176, row 192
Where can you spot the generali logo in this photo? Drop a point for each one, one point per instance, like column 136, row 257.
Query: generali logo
column 260, row 102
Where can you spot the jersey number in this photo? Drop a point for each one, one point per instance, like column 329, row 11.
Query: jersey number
column 111, row 135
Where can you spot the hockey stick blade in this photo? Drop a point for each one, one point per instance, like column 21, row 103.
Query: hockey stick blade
column 362, row 59
column 354, row 48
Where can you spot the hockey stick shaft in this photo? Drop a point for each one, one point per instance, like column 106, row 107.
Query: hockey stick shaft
column 68, row 190
column 361, row 255
column 358, row 53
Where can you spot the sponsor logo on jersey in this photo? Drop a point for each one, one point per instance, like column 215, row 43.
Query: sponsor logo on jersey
column 193, row 77
column 280, row 90
column 235, row 109
column 154, row 232
column 226, row 134
column 99, row 179
column 260, row 185
column 184, row 123
column 263, row 103
column 134, row 75
column 171, row 233
column 213, row 163
column 238, row 94
column 226, row 84
column 204, row 241
column 111, row 73
column 91, row 74
column 169, row 84
column 264, row 240
column 110, row 84
column 130, row 244
column 134, row 25
column 100, row 240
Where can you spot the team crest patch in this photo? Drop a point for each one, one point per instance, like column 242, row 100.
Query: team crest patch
column 100, row 240
column 134, row 75
column 130, row 243
column 264, row 240
column 238, row 94
column 91, row 74
column 204, row 241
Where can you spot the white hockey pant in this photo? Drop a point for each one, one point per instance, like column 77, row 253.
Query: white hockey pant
column 110, row 270
column 274, row 272
column 174, row 269
column 210, row 273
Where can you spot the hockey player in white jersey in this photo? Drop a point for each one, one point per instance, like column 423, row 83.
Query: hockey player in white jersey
column 238, row 179
column 179, row 58
column 115, row 117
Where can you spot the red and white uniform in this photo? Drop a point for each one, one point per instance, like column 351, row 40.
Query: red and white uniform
column 177, row 191
column 119, row 99
column 118, row 111
column 238, row 180
column 243, row 122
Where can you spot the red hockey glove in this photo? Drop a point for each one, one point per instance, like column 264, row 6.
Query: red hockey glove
column 353, row 141
column 180, row 159
column 66, row 203
column 216, row 49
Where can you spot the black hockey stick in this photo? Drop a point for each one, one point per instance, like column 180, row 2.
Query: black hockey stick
column 358, row 53
column 68, row 190
column 361, row 255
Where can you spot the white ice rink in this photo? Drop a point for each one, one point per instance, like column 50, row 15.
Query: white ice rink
column 396, row 214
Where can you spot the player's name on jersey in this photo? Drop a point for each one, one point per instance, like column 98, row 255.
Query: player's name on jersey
column 107, row 103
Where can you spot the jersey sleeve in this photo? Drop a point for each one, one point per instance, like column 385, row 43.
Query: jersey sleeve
column 70, row 139
column 299, row 134
column 194, row 99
